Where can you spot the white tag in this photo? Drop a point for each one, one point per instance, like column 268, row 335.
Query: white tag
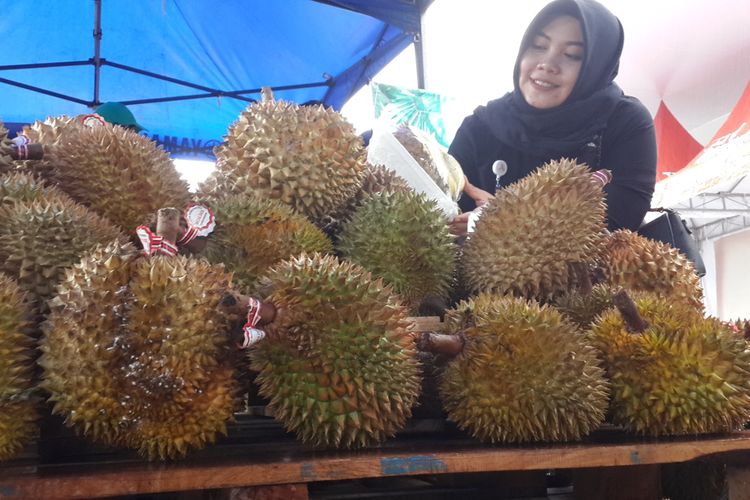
column 201, row 218
column 144, row 234
column 92, row 120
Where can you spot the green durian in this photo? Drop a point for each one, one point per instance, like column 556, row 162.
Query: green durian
column 41, row 238
column 638, row 263
column 339, row 363
column 404, row 239
column 252, row 235
column 114, row 171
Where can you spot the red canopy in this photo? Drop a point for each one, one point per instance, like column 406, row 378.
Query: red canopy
column 675, row 146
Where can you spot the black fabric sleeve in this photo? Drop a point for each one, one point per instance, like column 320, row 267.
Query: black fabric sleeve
column 629, row 151
column 470, row 147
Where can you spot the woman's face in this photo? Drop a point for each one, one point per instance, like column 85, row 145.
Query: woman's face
column 550, row 66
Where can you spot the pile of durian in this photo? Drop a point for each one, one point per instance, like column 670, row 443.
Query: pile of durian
column 308, row 276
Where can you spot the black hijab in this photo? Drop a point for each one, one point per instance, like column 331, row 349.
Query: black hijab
column 564, row 129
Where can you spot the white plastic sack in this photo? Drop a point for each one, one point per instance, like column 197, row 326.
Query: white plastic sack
column 384, row 149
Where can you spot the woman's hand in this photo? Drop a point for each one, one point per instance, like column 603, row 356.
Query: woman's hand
column 458, row 226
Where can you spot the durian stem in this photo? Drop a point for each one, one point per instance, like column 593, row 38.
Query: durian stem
column 267, row 94
column 440, row 343
column 581, row 271
column 629, row 312
column 236, row 304
column 168, row 223
column 26, row 152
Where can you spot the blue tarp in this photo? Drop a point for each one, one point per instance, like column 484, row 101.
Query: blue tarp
column 219, row 46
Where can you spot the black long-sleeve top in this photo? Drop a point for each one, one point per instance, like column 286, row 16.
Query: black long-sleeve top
column 627, row 147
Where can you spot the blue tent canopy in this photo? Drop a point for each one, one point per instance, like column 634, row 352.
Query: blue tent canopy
column 186, row 68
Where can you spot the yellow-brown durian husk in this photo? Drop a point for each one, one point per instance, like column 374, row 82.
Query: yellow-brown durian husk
column 683, row 374
column 114, row 171
column 640, row 264
column 136, row 352
column 525, row 374
column 308, row 157
column 17, row 407
column 530, row 233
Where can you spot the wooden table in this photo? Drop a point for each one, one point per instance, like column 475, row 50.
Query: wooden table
column 287, row 467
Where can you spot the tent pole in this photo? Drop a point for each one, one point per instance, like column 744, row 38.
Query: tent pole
column 97, row 47
column 419, row 51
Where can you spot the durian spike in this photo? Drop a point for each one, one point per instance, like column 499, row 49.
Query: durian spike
column 629, row 312
column 440, row 343
column 267, row 94
column 168, row 224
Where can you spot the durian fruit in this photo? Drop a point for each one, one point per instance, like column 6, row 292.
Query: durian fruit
column 308, row 157
column 672, row 370
column 17, row 187
column 530, row 233
column 17, row 408
column 41, row 238
column 404, row 239
column 339, row 363
column 253, row 234
column 377, row 179
column 6, row 162
column 136, row 354
column 116, row 172
column 637, row 263
column 51, row 132
column 524, row 373
column 583, row 308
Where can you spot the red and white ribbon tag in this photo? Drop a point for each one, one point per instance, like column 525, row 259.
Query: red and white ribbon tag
column 602, row 176
column 92, row 120
column 153, row 243
column 20, row 140
column 251, row 334
column 200, row 222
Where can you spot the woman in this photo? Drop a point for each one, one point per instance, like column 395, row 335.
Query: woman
column 564, row 104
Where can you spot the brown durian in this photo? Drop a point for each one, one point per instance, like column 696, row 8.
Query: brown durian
column 637, row 263
column 308, row 157
column 136, row 352
column 530, row 233
column 17, row 407
column 116, row 172
column 673, row 371
column 339, row 363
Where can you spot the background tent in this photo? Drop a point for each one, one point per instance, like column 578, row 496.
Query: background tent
column 186, row 68
column 675, row 146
